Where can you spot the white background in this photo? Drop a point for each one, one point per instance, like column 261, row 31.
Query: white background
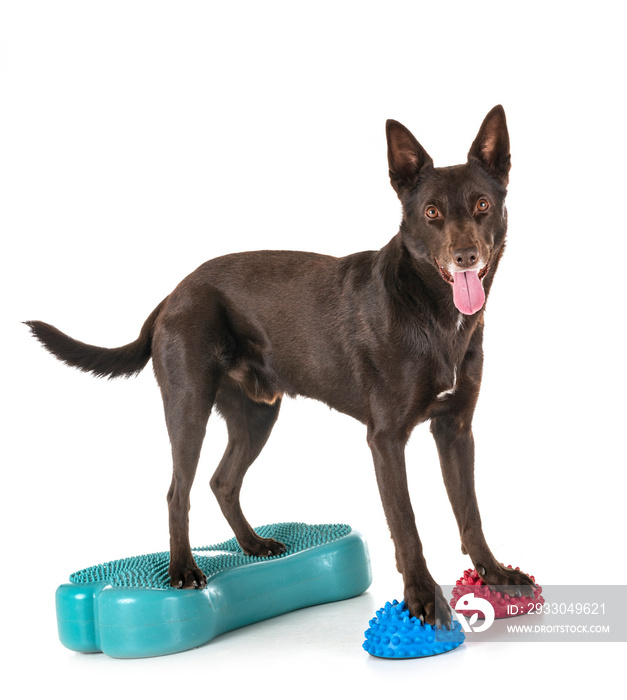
column 138, row 139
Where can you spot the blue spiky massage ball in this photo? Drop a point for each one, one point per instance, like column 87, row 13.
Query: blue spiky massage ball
column 394, row 634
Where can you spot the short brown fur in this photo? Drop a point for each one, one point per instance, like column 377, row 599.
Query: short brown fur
column 375, row 335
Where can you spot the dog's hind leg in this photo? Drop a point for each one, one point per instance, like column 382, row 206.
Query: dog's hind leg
column 187, row 412
column 187, row 369
column 186, row 416
column 249, row 425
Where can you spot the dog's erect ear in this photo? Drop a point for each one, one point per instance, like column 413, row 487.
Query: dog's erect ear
column 406, row 157
column 491, row 147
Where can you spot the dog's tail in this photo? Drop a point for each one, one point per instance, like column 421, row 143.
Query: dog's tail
column 124, row 361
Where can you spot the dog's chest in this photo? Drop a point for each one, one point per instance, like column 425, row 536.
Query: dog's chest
column 442, row 372
column 448, row 392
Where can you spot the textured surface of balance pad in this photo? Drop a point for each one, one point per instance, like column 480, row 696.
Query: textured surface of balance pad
column 393, row 634
column 504, row 605
column 127, row 608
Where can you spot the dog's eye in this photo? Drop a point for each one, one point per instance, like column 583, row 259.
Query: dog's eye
column 483, row 204
column 432, row 212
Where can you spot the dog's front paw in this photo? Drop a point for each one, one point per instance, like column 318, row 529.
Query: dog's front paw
column 427, row 603
column 506, row 580
column 186, row 576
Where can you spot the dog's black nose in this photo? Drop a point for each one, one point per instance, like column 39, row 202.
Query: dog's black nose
column 465, row 257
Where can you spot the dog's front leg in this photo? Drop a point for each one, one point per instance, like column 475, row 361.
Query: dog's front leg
column 422, row 595
column 456, row 448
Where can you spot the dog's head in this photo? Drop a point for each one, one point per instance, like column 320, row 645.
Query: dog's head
column 454, row 218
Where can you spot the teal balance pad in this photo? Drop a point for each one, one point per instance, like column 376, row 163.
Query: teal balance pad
column 127, row 608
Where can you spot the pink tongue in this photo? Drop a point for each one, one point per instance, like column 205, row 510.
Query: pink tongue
column 468, row 293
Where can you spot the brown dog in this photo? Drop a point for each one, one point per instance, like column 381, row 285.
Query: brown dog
column 391, row 337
